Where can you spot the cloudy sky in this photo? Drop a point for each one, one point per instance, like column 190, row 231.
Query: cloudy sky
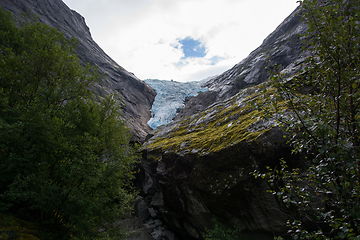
column 183, row 40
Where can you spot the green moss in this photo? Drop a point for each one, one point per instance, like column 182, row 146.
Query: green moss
column 228, row 127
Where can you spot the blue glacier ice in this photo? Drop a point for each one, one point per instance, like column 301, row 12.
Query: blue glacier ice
column 170, row 98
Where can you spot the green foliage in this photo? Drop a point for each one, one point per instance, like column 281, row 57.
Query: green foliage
column 14, row 228
column 323, row 113
column 222, row 232
column 65, row 159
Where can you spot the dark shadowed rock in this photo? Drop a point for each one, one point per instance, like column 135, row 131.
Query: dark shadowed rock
column 136, row 95
column 135, row 229
column 202, row 166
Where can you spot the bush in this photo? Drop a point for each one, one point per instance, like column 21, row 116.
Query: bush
column 65, row 158
column 222, row 232
column 325, row 124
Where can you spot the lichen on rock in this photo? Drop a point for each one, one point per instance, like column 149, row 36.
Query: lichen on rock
column 222, row 125
column 202, row 164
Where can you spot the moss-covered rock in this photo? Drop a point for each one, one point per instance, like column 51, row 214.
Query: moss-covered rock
column 222, row 125
column 202, row 165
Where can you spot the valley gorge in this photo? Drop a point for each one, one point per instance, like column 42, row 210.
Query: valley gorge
column 198, row 167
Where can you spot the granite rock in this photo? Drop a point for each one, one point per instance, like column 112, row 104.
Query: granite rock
column 136, row 95
column 282, row 47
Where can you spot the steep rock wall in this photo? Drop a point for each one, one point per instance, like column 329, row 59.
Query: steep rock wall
column 283, row 46
column 136, row 95
column 199, row 167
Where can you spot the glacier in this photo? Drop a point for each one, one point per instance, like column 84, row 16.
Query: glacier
column 170, row 98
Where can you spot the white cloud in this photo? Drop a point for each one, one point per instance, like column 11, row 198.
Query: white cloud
column 140, row 35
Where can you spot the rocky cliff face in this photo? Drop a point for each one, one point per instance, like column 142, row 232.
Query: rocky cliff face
column 283, row 46
column 199, row 166
column 136, row 95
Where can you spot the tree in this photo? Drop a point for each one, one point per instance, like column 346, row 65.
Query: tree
column 65, row 158
column 321, row 107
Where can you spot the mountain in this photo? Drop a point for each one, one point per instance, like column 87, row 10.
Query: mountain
column 170, row 99
column 199, row 166
column 281, row 47
column 136, row 95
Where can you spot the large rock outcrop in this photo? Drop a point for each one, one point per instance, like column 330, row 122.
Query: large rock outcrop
column 281, row 47
column 199, row 166
column 136, row 95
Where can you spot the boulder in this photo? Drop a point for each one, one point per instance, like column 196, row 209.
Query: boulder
column 202, row 165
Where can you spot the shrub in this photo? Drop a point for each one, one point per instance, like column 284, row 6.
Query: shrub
column 65, row 158
column 325, row 125
column 223, row 232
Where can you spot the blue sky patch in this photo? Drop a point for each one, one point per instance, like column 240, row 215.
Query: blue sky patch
column 192, row 48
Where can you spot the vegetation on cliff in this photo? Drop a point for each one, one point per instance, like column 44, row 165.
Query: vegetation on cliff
column 324, row 102
column 65, row 160
column 224, row 124
column 319, row 107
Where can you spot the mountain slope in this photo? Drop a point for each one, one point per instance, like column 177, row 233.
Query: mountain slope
column 283, row 46
column 136, row 95
column 199, row 166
